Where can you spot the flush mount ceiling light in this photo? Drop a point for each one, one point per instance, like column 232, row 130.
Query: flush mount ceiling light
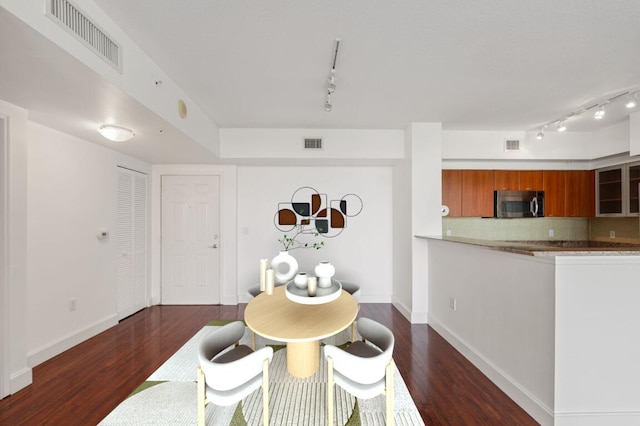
column 116, row 133
column 331, row 81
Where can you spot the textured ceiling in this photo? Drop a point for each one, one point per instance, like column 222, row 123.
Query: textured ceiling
column 477, row 65
column 471, row 65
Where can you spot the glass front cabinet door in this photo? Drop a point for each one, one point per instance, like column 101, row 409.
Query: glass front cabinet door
column 610, row 187
column 633, row 180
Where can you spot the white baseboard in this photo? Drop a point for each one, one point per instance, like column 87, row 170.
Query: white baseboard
column 404, row 310
column 598, row 419
column 20, row 380
column 229, row 300
column 528, row 402
column 56, row 347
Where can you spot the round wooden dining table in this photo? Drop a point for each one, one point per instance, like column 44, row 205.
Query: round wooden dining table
column 301, row 326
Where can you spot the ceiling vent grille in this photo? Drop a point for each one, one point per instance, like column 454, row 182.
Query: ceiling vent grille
column 311, row 143
column 73, row 20
column 511, row 145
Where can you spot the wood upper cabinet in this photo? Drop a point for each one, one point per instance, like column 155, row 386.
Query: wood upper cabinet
column 530, row 180
column 506, row 180
column 477, row 193
column 568, row 193
column 580, row 193
column 452, row 191
column 514, row 180
column 553, row 185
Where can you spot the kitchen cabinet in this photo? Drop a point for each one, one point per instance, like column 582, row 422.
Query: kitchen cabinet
column 609, row 191
column 477, row 193
column 579, row 193
column 633, row 179
column 506, row 180
column 514, row 180
column 469, row 193
column 530, row 180
column 452, row 191
column 554, row 187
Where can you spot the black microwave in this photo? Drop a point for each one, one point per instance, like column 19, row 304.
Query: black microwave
column 518, row 204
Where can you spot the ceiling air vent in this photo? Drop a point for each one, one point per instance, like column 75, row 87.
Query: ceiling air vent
column 311, row 143
column 511, row 145
column 73, row 20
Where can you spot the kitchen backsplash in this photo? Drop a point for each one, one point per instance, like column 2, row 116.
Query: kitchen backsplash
column 624, row 229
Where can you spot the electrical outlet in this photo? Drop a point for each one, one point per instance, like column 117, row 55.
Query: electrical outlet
column 612, row 234
column 452, row 303
column 551, row 233
column 72, row 304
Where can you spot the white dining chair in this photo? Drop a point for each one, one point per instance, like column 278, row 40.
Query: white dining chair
column 365, row 368
column 228, row 374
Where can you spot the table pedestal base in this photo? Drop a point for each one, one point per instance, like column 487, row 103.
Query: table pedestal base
column 303, row 358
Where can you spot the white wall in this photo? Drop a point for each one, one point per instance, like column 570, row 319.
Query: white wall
column 363, row 253
column 288, row 143
column 426, row 196
column 402, row 236
column 634, row 133
column 138, row 74
column 71, row 195
column 15, row 280
column 597, row 348
column 504, row 320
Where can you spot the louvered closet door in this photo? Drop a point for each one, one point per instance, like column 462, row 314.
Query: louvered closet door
column 131, row 242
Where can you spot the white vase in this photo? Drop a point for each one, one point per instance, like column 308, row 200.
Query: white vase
column 324, row 271
column 312, row 286
column 300, row 280
column 285, row 267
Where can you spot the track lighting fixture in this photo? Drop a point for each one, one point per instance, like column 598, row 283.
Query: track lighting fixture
column 331, row 87
column 631, row 100
column 327, row 103
column 561, row 126
column 598, row 110
column 331, row 81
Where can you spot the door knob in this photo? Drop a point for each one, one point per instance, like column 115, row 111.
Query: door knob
column 213, row 246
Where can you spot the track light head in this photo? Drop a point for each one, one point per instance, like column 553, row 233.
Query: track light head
column 540, row 135
column 631, row 101
column 331, row 86
column 327, row 103
column 599, row 114
column 561, row 127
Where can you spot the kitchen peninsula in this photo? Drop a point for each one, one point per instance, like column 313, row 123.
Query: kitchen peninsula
column 555, row 327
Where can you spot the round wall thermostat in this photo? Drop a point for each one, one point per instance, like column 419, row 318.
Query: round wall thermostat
column 444, row 210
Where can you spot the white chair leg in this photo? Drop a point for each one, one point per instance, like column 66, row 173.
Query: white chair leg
column 201, row 397
column 265, row 392
column 330, row 388
column 389, row 392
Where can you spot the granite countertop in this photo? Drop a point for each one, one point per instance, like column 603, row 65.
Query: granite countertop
column 554, row 247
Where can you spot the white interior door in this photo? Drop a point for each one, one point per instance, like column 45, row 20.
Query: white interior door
column 190, row 240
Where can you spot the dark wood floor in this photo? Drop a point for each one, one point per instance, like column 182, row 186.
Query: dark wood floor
column 82, row 385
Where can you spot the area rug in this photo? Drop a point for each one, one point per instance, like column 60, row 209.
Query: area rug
column 168, row 396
